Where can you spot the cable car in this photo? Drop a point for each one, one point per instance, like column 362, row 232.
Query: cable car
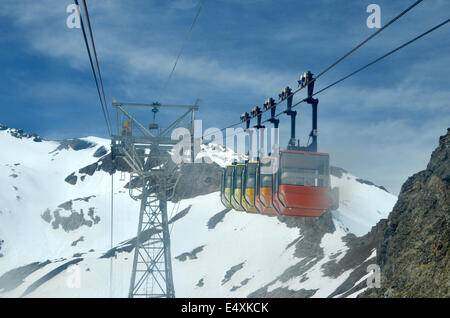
column 249, row 187
column 236, row 187
column 264, row 180
column 302, row 184
column 225, row 191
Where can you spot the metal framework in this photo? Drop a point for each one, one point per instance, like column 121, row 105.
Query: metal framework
column 151, row 181
column 306, row 80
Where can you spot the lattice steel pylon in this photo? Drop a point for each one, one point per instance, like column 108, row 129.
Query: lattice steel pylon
column 152, row 181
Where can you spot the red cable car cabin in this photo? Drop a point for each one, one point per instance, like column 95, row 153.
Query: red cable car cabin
column 302, row 184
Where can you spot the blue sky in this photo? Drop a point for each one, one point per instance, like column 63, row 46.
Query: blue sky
column 381, row 124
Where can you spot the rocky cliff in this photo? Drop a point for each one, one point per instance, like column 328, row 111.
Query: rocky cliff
column 410, row 246
column 413, row 252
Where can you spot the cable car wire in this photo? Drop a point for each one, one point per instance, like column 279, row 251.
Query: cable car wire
column 105, row 111
column 374, row 61
column 384, row 56
column 336, row 62
column 368, row 39
column 356, row 71
column 173, row 223
column 93, row 70
column 186, row 39
column 96, row 59
column 112, row 237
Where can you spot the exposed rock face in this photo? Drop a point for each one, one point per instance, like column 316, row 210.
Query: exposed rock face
column 243, row 283
column 19, row 133
column 105, row 163
column 47, row 216
column 413, row 254
column 193, row 179
column 307, row 248
column 180, row 214
column 72, row 179
column 357, row 258
column 89, row 170
column 197, row 179
column 128, row 246
column 371, row 183
column 201, row 282
column 50, row 275
column 231, row 272
column 76, row 144
column 1, row 244
column 16, row 277
column 212, row 222
column 74, row 243
column 190, row 255
column 336, row 171
column 73, row 220
column 101, row 151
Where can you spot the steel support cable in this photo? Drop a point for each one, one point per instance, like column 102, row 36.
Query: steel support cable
column 96, row 59
column 362, row 68
column 104, row 110
column 171, row 213
column 337, row 61
column 186, row 39
column 112, row 237
column 384, row 56
column 93, row 69
column 368, row 39
column 374, row 61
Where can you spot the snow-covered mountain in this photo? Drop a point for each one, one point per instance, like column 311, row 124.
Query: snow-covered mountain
column 55, row 222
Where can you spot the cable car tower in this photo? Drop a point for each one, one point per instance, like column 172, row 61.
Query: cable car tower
column 152, row 180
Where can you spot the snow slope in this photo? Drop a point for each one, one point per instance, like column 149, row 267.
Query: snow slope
column 253, row 249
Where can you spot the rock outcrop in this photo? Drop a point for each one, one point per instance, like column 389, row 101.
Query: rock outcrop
column 20, row 134
column 413, row 253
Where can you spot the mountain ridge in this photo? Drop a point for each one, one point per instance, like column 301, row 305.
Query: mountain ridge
column 276, row 256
